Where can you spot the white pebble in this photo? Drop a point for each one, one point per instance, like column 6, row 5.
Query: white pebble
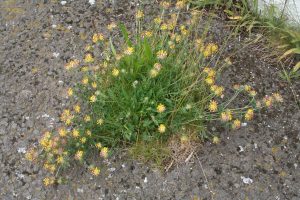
column 63, row 3
column 55, row 54
column 92, row 2
column 246, row 180
column 22, row 150
column 145, row 180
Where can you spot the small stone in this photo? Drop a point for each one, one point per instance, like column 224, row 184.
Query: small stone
column 246, row 180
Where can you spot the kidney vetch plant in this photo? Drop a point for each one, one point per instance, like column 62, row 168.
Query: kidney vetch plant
column 155, row 82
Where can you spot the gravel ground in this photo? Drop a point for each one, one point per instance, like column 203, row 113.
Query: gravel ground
column 259, row 161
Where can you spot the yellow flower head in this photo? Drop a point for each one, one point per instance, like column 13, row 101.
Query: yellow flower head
column 75, row 133
column 111, row 26
column 165, row 4
column 236, row 86
column 252, row 93
column 77, row 108
column 100, row 37
column 148, row 34
column 236, row 124
column 277, row 97
column 95, row 171
column 161, row 54
column 268, row 100
column 85, row 81
column 88, row 58
column 87, row 118
column 100, row 121
column 157, row 66
column 213, row 88
column 62, row 132
column 98, row 145
column 162, row 128
column 206, row 70
column 78, row 155
column 31, row 155
column 72, row 64
column 226, row 116
column 164, row 27
column 213, row 106
column 247, row 88
column 157, row 20
column 153, row 73
column 249, row 114
column 219, row 91
column 211, row 73
column 115, row 72
column 95, row 38
column 139, row 14
column 93, row 99
column 180, row 5
column 128, row 51
column 88, row 133
column 104, row 152
column 210, row 49
column 48, row 181
column 210, row 80
column 83, row 140
column 160, row 108
column 184, row 139
column 216, row 140
column 70, row 92
column 178, row 38
column 60, row 160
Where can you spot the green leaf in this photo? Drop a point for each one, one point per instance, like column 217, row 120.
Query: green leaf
column 125, row 34
column 296, row 67
column 113, row 50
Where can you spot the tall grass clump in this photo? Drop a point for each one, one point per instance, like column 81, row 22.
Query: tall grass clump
column 159, row 80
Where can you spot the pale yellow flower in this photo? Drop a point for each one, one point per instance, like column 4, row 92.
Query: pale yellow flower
column 162, row 128
column 180, row 5
column 48, row 181
column 115, row 72
column 93, row 99
column 249, row 114
column 277, row 97
column 129, row 51
column 165, row 4
column 100, row 121
column 236, row 124
column 104, row 152
column 83, row 140
column 164, row 27
column 77, row 108
column 88, row 58
column 139, row 14
column 62, row 132
column 216, row 140
column 95, row 171
column 111, row 26
column 161, row 54
column 98, row 145
column 78, row 155
column 160, row 108
column 157, row 20
column 210, row 80
column 87, row 118
column 153, row 73
column 85, row 81
column 213, row 106
column 70, row 92
column 75, row 133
